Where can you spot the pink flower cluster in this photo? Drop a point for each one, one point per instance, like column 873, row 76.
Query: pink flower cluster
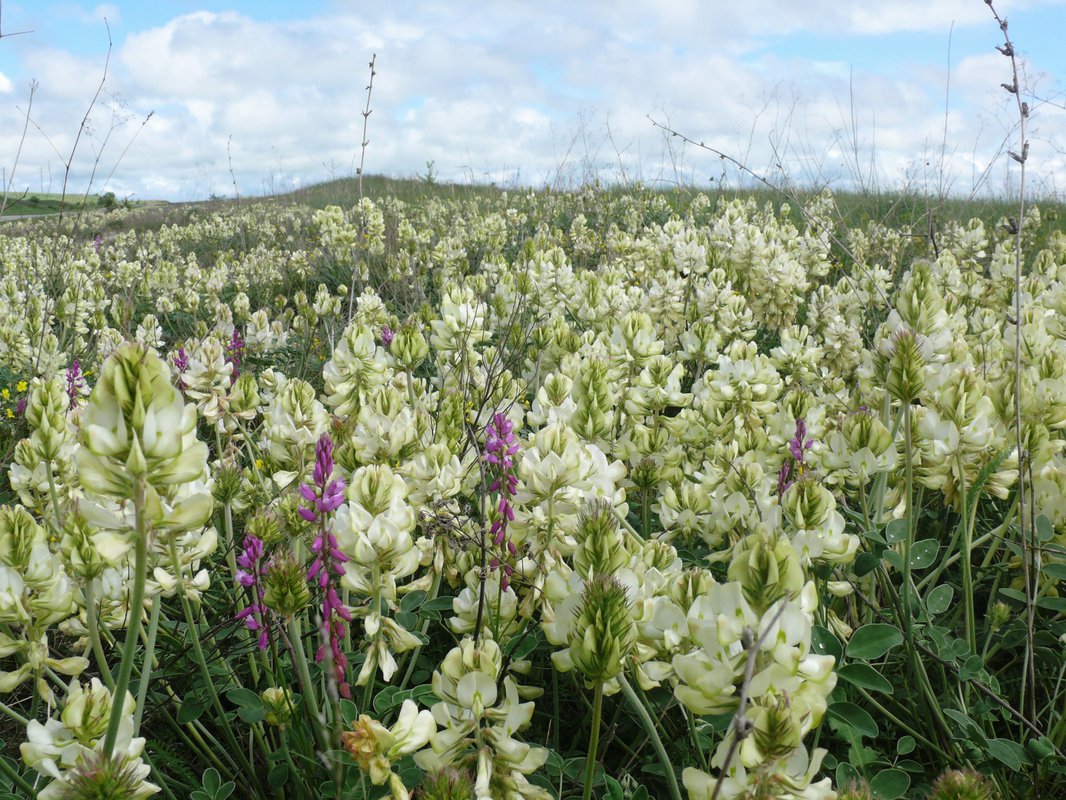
column 798, row 445
column 325, row 497
column 75, row 383
column 249, row 577
column 235, row 351
column 181, row 363
column 500, row 448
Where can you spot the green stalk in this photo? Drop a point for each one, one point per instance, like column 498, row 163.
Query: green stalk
column 967, row 567
column 21, row 720
column 94, row 635
column 653, row 734
column 140, row 574
column 594, row 741
column 146, row 667
column 908, row 542
column 198, row 651
column 13, row 774
column 303, row 673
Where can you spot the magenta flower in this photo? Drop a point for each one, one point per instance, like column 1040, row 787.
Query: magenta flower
column 500, row 448
column 235, row 350
column 798, row 445
column 181, row 363
column 386, row 335
column 249, row 576
column 325, row 497
column 75, row 382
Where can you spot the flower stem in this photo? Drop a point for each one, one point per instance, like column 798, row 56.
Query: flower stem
column 594, row 741
column 653, row 734
column 136, row 606
column 146, row 666
column 94, row 634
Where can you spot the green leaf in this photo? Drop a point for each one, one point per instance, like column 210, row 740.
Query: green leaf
column 939, row 599
column 873, row 641
column 412, row 600
column 865, row 563
column 1055, row 569
column 905, row 745
column 386, row 699
column 190, row 711
column 614, row 789
column 1045, row 530
column 895, row 559
column 278, row 776
column 1052, row 603
column 867, row 677
column 846, row 774
column 240, row 696
column 251, row 715
column 1012, row 594
column 924, row 553
column 825, row 643
column 349, row 711
column 972, row 667
column 211, row 780
column 889, row 784
column 896, row 531
column 1009, row 752
column 858, row 718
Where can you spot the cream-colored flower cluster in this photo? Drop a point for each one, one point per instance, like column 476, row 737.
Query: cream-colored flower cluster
column 705, row 404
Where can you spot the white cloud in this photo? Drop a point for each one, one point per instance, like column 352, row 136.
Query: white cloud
column 519, row 89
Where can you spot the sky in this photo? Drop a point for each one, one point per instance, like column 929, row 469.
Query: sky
column 203, row 98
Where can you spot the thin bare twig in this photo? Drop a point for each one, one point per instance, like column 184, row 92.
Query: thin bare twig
column 1022, row 156
column 742, row 726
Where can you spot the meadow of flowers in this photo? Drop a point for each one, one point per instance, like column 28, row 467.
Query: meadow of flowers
column 607, row 495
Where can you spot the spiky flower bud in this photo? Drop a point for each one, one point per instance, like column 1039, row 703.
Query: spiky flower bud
column 285, row 590
column 603, row 633
column 229, row 482
column 265, row 525
column 856, row 791
column 1001, row 614
column 646, row 475
column 446, row 783
column 292, row 521
column 96, row 777
column 601, row 546
column 277, row 705
column 961, row 785
column 906, row 377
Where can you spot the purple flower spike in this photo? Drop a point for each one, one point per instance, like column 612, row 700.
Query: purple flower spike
column 325, row 497
column 793, row 467
column 500, row 448
column 387, row 334
column 235, row 351
column 75, row 383
column 250, row 576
